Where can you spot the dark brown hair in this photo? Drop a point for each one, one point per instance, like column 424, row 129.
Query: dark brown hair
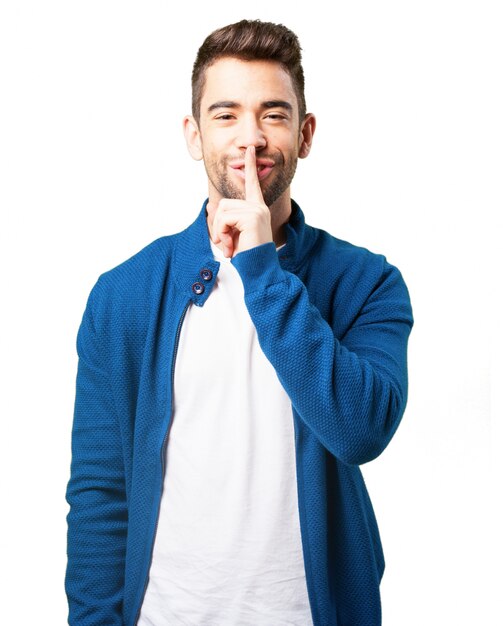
column 250, row 40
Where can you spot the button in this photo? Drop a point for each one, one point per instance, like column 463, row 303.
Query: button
column 206, row 274
column 198, row 288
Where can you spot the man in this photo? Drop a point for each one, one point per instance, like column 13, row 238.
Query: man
column 231, row 379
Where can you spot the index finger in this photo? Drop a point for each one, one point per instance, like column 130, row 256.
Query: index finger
column 253, row 191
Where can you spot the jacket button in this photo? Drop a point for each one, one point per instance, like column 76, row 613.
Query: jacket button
column 206, row 274
column 198, row 288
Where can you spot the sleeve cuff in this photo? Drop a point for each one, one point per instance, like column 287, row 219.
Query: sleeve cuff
column 259, row 267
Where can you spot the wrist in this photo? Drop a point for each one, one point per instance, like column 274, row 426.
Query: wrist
column 259, row 267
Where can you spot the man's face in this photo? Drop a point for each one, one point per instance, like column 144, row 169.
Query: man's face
column 249, row 103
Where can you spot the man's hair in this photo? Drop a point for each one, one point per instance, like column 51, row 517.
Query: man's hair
column 250, row 40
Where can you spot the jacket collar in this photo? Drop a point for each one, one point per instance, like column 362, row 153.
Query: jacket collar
column 193, row 255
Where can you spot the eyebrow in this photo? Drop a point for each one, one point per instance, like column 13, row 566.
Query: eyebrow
column 268, row 104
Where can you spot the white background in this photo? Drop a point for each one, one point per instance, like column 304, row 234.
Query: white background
column 407, row 161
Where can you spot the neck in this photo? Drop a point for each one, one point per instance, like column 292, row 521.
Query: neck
column 280, row 214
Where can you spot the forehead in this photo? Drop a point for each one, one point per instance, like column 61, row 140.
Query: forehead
column 245, row 81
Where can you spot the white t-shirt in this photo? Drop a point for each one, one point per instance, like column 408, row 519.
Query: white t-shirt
column 228, row 546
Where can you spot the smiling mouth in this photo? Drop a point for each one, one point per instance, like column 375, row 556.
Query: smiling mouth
column 260, row 168
column 263, row 170
column 261, row 163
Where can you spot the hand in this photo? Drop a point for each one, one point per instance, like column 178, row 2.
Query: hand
column 243, row 224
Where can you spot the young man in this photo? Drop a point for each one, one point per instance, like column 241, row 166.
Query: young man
column 231, row 379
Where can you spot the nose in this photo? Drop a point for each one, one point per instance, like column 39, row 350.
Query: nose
column 250, row 133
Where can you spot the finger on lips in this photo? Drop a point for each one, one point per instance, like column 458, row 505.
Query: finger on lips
column 224, row 222
column 253, row 191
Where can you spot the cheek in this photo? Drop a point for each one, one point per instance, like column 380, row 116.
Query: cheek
column 216, row 139
column 285, row 144
column 213, row 151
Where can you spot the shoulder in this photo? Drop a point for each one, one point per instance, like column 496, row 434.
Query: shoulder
column 133, row 285
column 355, row 277
column 343, row 259
column 146, row 263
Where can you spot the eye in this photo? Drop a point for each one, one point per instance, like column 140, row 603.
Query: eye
column 276, row 116
column 225, row 116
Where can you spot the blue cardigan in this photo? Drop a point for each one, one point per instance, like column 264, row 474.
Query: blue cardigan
column 332, row 318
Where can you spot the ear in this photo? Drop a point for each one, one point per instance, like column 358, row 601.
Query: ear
column 306, row 133
column 193, row 137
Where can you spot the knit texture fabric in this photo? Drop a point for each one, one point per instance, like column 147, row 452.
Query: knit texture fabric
column 332, row 318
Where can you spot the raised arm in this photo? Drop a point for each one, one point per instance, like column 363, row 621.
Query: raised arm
column 351, row 392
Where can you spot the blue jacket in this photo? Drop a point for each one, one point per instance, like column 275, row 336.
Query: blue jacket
column 332, row 318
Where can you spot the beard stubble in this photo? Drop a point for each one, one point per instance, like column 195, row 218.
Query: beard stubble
column 283, row 173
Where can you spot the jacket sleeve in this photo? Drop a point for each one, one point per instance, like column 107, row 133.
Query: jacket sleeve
column 350, row 392
column 97, row 520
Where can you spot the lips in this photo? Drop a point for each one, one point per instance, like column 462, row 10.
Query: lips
column 264, row 166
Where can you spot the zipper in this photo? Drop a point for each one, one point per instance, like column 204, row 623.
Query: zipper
column 163, row 453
